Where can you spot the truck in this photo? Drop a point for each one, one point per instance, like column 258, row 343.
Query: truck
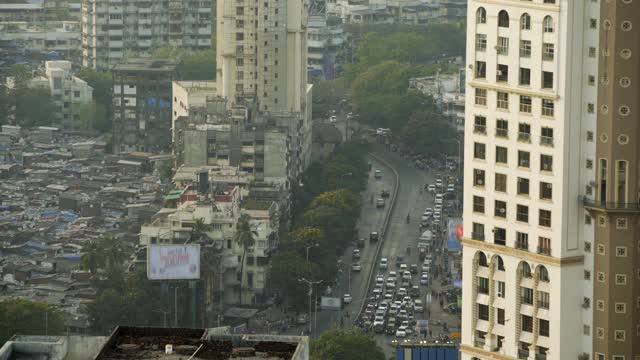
column 425, row 240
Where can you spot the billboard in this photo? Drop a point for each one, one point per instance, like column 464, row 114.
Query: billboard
column 173, row 262
column 330, row 303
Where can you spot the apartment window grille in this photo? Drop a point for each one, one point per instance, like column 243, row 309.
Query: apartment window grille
column 524, row 159
column 481, row 97
column 548, row 52
column 503, row 100
column 621, row 251
column 503, row 45
column 478, row 177
column 481, row 42
column 544, row 217
column 480, row 125
column 502, row 128
column 478, row 204
column 524, row 131
column 526, row 295
column 477, row 232
column 546, row 137
column 479, row 151
column 522, row 213
column 522, row 240
column 621, row 279
column 525, row 48
column 548, row 107
column 500, row 182
column 621, row 308
column 546, row 190
column 546, row 163
column 544, row 245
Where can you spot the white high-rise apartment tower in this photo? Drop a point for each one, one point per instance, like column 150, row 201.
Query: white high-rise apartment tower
column 262, row 53
column 529, row 155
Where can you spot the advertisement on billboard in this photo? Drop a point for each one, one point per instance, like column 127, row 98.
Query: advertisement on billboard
column 330, row 303
column 173, row 262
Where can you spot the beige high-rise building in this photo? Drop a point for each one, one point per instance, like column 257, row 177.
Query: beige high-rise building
column 113, row 30
column 262, row 53
column 551, row 259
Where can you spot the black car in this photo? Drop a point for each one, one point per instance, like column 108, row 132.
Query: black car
column 414, row 268
column 373, row 236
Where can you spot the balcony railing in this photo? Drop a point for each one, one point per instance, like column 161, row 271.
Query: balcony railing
column 615, row 206
column 477, row 236
column 503, row 133
column 544, row 250
column 523, row 354
column 522, row 136
column 546, row 140
column 479, row 129
column 499, row 241
column 522, row 245
column 541, row 357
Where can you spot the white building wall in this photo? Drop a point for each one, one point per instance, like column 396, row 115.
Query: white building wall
column 572, row 37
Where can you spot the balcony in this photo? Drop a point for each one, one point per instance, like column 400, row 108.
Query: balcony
column 479, row 129
column 502, row 133
column 543, row 250
column 546, row 140
column 526, row 137
column 541, row 357
column 610, row 206
column 523, row 354
column 479, row 343
column 477, row 236
column 522, row 245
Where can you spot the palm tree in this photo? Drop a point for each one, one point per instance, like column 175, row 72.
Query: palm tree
column 113, row 250
column 199, row 228
column 92, row 258
column 245, row 237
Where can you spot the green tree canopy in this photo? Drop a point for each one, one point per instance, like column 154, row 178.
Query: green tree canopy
column 289, row 266
column 345, row 344
column 18, row 316
column 21, row 75
column 33, row 107
column 200, row 65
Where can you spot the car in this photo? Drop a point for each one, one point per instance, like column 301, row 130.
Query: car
column 382, row 131
column 414, row 268
column 451, row 188
column 356, row 267
column 378, row 319
column 381, row 313
column 373, row 236
column 360, row 242
column 403, row 314
column 392, row 274
column 426, row 268
column 431, row 188
column 384, row 193
column 302, row 319
column 391, row 284
column 333, row 119
column 377, row 292
column 399, row 260
column 356, row 254
column 438, row 182
column 402, row 292
column 380, row 203
column 388, row 296
column 383, row 264
column 417, row 306
column 438, row 199
column 377, row 174
column 424, row 279
column 393, row 310
column 384, row 306
column 378, row 327
column 401, row 332
column 406, row 275
column 407, row 301
column 403, row 268
column 428, row 211
column 346, row 298
column 414, row 291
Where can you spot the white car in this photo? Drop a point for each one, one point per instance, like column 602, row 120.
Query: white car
column 356, row 267
column 424, row 279
column 426, row 268
column 428, row 212
column 406, row 275
column 417, row 306
column 384, row 264
column 379, row 319
column 403, row 267
column 431, row 188
column 438, row 182
column 402, row 292
column 383, row 306
column 346, row 298
column 391, row 284
column 451, row 188
column 401, row 332
column 377, row 291
column 407, row 301
column 392, row 274
column 333, row 119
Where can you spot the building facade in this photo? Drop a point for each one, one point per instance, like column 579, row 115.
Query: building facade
column 72, row 96
column 529, row 148
column 113, row 30
column 142, row 105
column 615, row 200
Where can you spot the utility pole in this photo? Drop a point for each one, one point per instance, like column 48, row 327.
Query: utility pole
column 310, row 283
column 175, row 302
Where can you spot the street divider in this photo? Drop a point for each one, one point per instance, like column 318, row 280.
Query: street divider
column 383, row 231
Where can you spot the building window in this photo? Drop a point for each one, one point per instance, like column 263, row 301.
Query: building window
column 621, row 251
column 526, row 295
column 503, row 100
column 481, row 16
column 478, row 177
column 621, row 223
column 502, row 73
column 547, row 108
column 548, row 51
column 621, row 179
column 621, row 308
column 619, row 335
column 481, row 70
column 500, row 289
column 483, row 285
column 547, row 80
column 523, row 159
column 501, row 182
column 501, row 155
column 621, row 279
column 525, row 48
column 478, row 204
column 544, row 218
column 525, row 22
column 587, row 275
column 543, row 327
column 502, row 128
column 600, row 335
column 527, row 323
column 522, row 213
column 500, row 316
column 523, row 186
column 481, row 97
column 547, row 24
column 479, row 151
column 525, row 79
column 503, row 19
column 524, row 130
column 546, row 191
column 477, row 232
column 522, row 241
column 546, row 163
column 544, row 246
column 587, row 247
column 499, row 236
column 483, row 312
column 500, row 209
column 480, row 125
column 503, row 45
column 546, row 136
column 481, row 42
column 602, row 250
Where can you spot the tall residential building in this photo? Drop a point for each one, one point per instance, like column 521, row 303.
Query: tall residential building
column 531, row 99
column 616, row 201
column 115, row 29
column 262, row 54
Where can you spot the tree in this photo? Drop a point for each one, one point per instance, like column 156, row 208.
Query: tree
column 5, row 105
column 328, row 95
column 18, row 316
column 107, row 252
column 33, row 107
column 289, row 266
column 21, row 75
column 167, row 52
column 102, row 84
column 345, row 344
column 306, row 235
column 199, row 228
column 92, row 258
column 245, row 238
column 200, row 65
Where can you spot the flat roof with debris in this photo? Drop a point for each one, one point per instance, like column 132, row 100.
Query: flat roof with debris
column 151, row 343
